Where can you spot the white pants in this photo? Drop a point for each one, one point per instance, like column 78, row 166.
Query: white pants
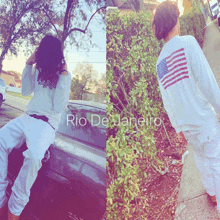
column 206, row 146
column 39, row 135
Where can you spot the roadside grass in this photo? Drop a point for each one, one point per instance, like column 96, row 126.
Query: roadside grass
column 20, row 95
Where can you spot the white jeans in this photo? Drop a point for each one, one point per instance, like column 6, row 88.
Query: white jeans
column 39, row 135
column 206, row 146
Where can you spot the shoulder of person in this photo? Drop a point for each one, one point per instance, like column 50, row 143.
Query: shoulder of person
column 65, row 73
column 34, row 70
column 185, row 38
column 68, row 74
column 189, row 39
column 188, row 42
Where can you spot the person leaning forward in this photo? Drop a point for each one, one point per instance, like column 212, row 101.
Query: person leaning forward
column 50, row 81
column 190, row 95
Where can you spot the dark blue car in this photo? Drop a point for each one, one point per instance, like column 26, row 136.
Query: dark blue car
column 72, row 181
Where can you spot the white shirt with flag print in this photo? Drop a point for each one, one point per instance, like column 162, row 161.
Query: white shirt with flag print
column 173, row 68
column 190, row 93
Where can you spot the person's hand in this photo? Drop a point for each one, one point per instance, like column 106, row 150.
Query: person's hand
column 32, row 59
column 181, row 137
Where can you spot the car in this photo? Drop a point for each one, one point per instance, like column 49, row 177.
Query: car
column 72, row 181
column 214, row 6
column 3, row 90
column 218, row 17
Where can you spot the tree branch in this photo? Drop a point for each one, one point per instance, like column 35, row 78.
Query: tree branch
column 84, row 31
column 51, row 22
column 69, row 3
column 76, row 29
column 133, row 8
column 69, row 17
column 93, row 15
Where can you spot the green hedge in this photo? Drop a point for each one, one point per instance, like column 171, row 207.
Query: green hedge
column 132, row 51
column 193, row 23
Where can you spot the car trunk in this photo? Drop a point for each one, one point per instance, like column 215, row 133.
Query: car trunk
column 62, row 189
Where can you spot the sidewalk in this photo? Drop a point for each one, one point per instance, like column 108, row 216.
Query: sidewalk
column 193, row 202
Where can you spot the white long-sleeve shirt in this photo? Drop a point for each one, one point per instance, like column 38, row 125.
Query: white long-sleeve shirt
column 190, row 93
column 45, row 101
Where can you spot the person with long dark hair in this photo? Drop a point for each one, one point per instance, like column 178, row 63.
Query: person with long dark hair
column 190, row 94
column 50, row 82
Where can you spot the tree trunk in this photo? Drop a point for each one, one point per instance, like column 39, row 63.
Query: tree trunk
column 141, row 2
column 196, row 5
column 2, row 56
column 202, row 9
column 0, row 67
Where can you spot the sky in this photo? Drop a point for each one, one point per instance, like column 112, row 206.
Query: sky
column 96, row 56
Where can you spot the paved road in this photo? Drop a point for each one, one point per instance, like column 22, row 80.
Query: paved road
column 11, row 108
column 211, row 49
column 8, row 113
column 16, row 102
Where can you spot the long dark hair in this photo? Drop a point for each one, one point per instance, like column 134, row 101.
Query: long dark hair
column 49, row 61
column 165, row 18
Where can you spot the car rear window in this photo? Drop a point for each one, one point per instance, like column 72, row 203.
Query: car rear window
column 84, row 123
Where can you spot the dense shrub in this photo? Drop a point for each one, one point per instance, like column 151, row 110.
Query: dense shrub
column 193, row 23
column 133, row 92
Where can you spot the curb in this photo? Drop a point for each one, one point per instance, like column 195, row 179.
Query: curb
column 13, row 107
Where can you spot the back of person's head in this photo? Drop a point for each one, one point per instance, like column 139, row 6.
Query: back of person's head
column 49, row 60
column 165, row 19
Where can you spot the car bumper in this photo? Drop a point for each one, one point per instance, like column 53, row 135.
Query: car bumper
column 54, row 196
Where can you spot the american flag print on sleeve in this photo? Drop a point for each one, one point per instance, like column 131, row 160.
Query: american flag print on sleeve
column 173, row 69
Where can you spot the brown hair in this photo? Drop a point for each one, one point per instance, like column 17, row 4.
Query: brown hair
column 165, row 18
column 49, row 60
